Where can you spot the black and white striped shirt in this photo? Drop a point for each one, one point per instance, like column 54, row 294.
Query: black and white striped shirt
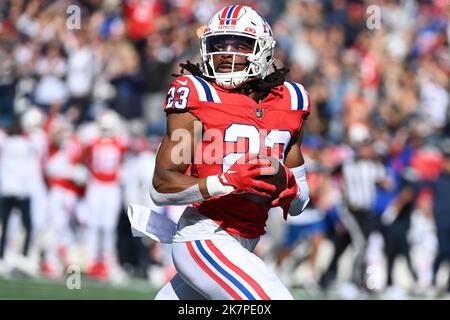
column 360, row 178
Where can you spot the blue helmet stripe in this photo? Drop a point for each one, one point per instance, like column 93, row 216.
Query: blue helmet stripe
column 230, row 12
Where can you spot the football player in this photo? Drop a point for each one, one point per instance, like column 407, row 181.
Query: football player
column 103, row 198
column 66, row 176
column 246, row 109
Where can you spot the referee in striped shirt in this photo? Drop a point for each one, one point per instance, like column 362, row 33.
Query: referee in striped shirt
column 360, row 177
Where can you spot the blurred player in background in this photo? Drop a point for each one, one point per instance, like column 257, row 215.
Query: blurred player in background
column 17, row 159
column 66, row 179
column 243, row 97
column 33, row 121
column 136, row 177
column 103, row 196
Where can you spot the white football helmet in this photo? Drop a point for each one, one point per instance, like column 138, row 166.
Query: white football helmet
column 87, row 132
column 33, row 119
column 237, row 30
column 109, row 123
column 60, row 129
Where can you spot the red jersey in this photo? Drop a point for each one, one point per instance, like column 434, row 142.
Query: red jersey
column 104, row 158
column 69, row 154
column 140, row 17
column 232, row 125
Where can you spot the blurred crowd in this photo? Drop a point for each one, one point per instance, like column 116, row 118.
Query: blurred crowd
column 81, row 116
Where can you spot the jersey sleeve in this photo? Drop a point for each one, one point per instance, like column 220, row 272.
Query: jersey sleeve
column 299, row 98
column 181, row 95
column 123, row 143
column 74, row 150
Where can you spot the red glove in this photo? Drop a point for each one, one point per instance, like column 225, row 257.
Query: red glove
column 286, row 196
column 242, row 173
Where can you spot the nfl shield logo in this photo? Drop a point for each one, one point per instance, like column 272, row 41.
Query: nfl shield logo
column 259, row 113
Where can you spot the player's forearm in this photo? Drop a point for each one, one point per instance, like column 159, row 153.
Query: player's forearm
column 58, row 170
column 174, row 188
column 171, row 181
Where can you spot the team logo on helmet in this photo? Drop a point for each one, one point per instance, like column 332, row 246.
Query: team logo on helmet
column 230, row 15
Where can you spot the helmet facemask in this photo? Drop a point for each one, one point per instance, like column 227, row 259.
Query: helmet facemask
column 232, row 50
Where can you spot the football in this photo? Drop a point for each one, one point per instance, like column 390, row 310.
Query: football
column 278, row 179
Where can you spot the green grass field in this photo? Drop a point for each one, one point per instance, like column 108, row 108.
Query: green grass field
column 40, row 288
column 45, row 289
column 136, row 289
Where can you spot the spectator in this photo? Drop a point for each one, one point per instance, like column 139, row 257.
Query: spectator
column 396, row 221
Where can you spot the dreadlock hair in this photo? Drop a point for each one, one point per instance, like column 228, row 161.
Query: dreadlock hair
column 194, row 69
column 262, row 87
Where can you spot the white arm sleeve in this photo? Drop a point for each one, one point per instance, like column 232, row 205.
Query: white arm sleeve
column 299, row 204
column 191, row 194
column 58, row 166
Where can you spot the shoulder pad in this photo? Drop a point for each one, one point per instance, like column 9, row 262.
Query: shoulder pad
column 299, row 97
column 188, row 91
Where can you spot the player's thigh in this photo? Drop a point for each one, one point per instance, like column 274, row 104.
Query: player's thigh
column 223, row 269
column 111, row 208
column 55, row 200
column 39, row 207
column 56, row 207
column 70, row 202
column 94, row 203
column 94, row 197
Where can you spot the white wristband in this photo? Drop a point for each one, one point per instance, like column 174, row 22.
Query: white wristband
column 191, row 194
column 216, row 187
column 299, row 204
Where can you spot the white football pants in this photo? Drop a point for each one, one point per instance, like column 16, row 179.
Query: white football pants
column 103, row 207
column 221, row 269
